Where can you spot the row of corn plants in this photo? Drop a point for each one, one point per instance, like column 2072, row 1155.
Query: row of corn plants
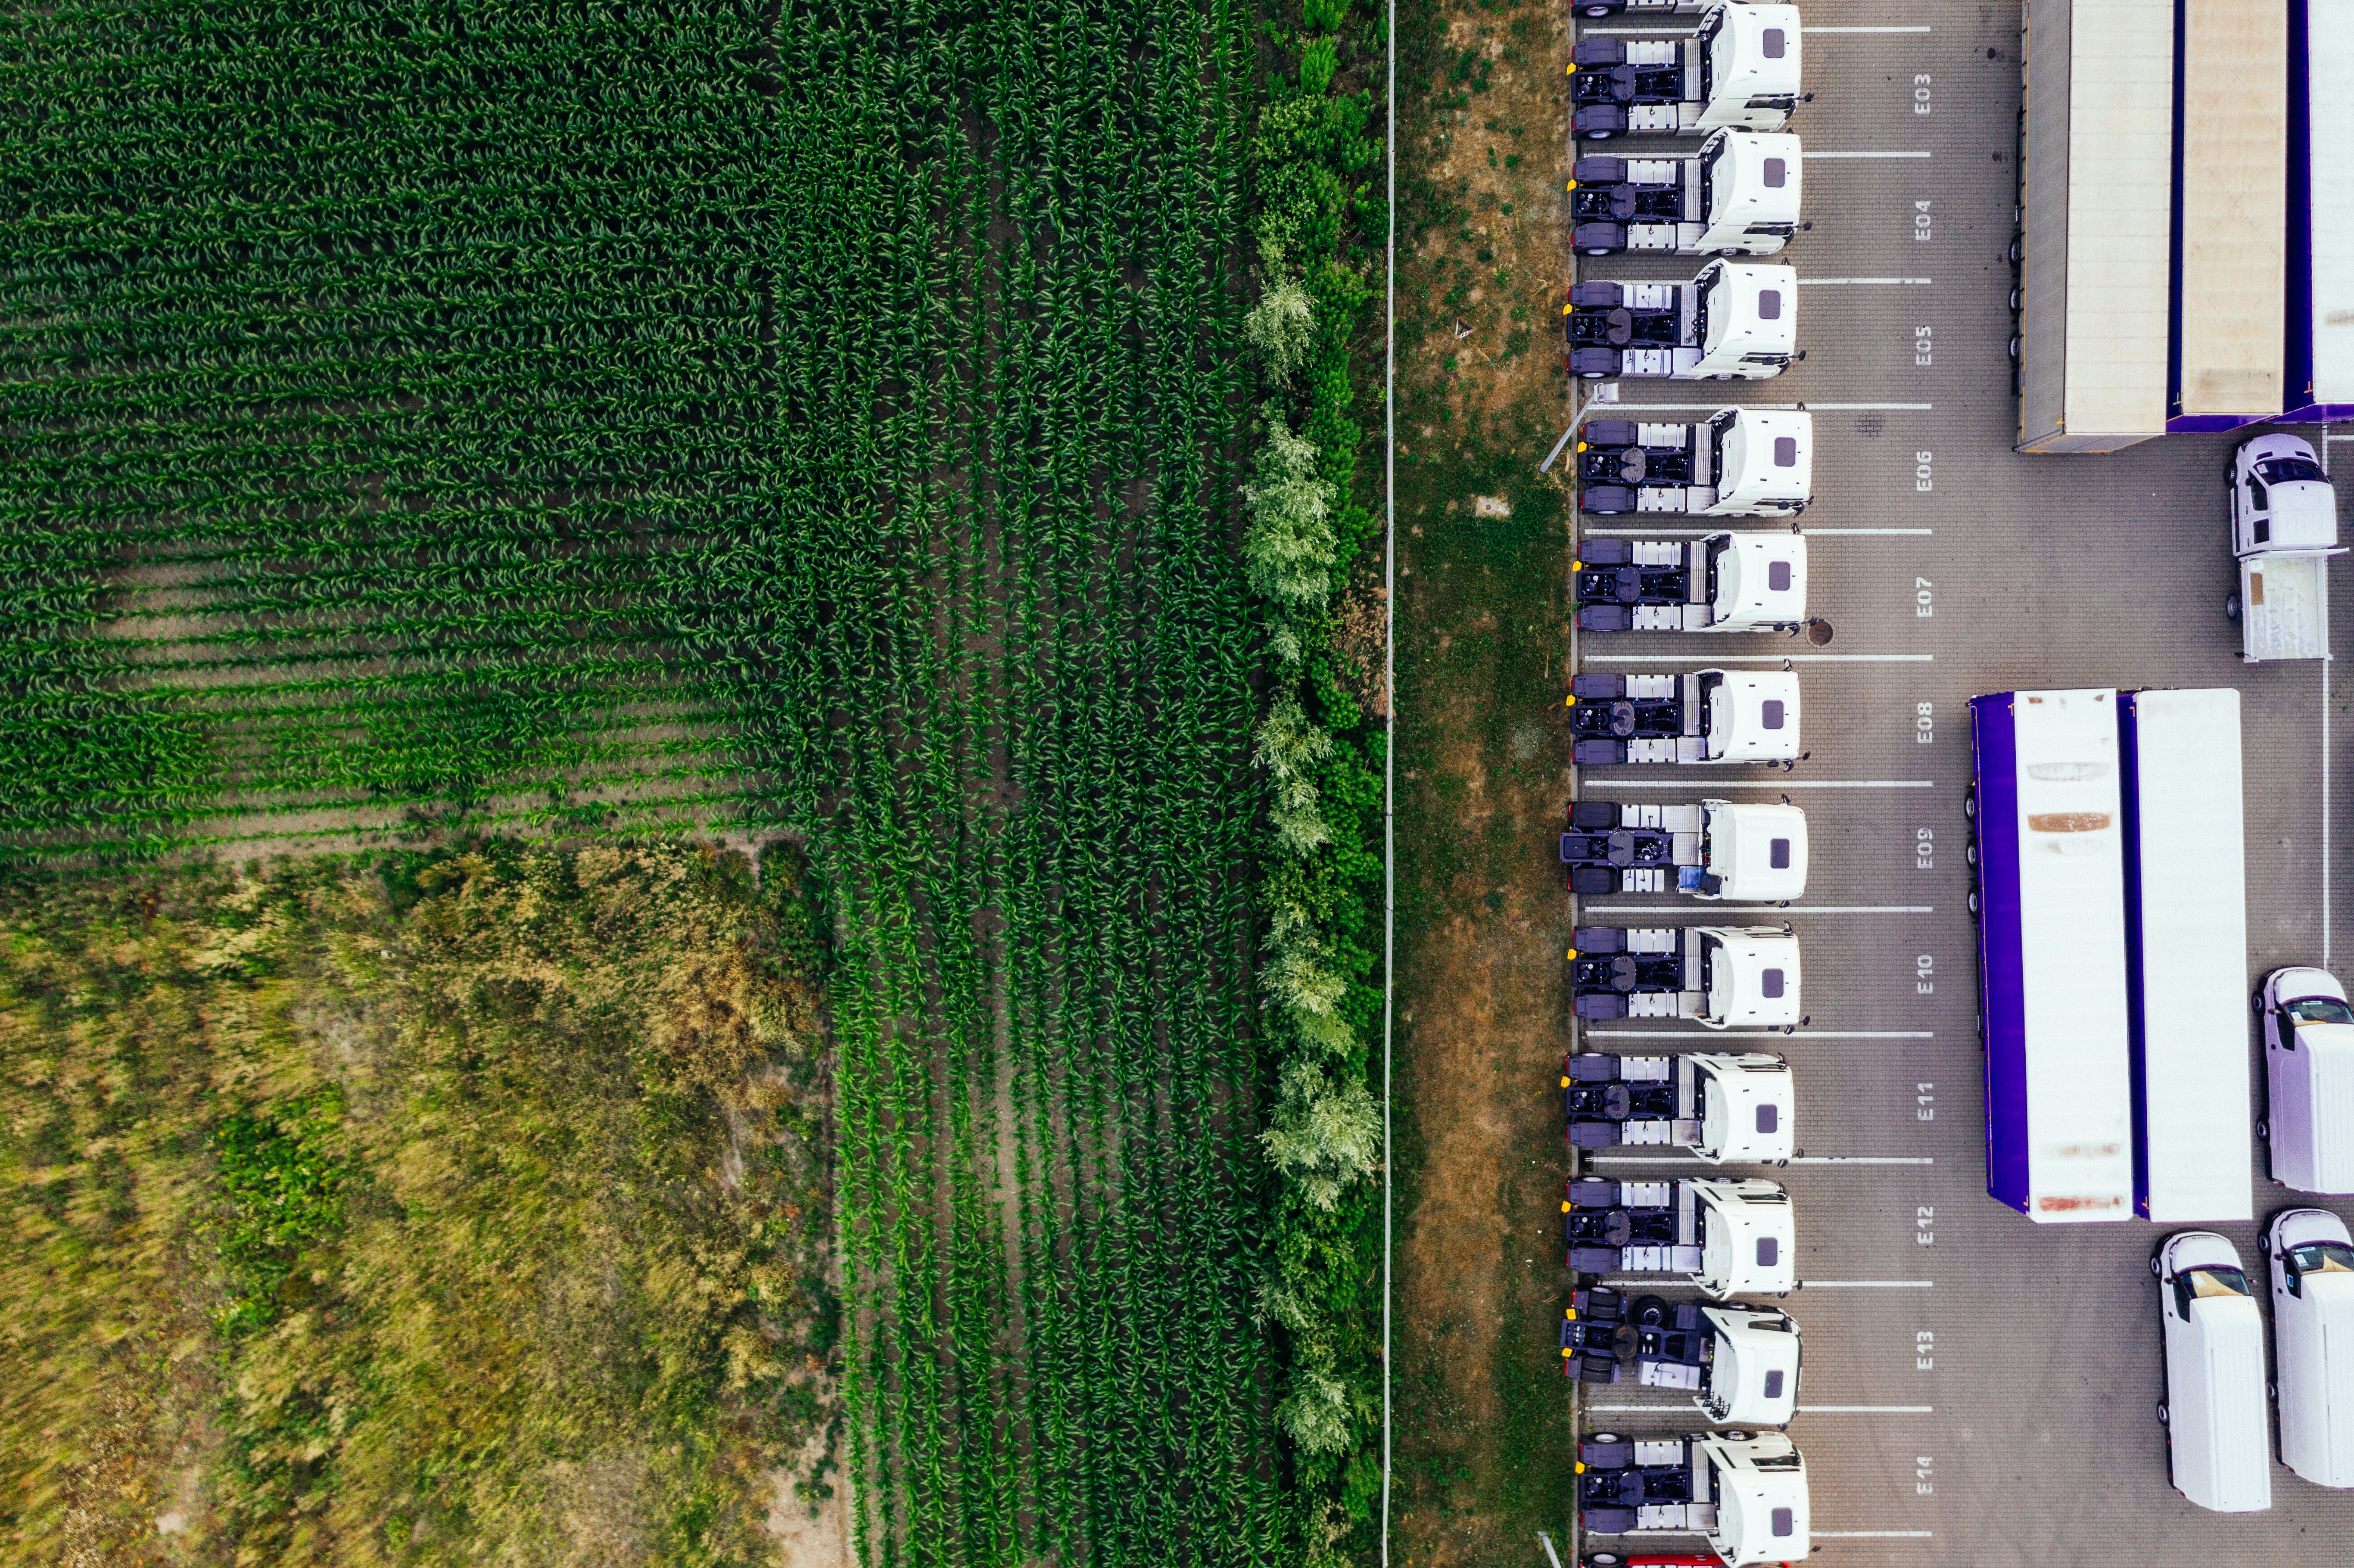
column 1308, row 555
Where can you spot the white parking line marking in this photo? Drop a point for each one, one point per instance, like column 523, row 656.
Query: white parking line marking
column 1672, row 1409
column 1674, row 1156
column 1828, row 283
column 1760, row 1034
column 1791, row 407
column 1811, row 155
column 1764, row 658
column 1761, row 908
column 1651, row 532
column 1812, row 32
column 2326, row 662
column 1870, row 1535
column 1607, row 783
column 1863, row 1283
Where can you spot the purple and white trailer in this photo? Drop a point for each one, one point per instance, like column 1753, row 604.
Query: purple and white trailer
column 2051, row 953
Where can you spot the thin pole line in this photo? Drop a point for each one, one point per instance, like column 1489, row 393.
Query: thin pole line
column 1389, row 740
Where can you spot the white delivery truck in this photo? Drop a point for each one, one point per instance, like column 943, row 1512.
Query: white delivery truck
column 1715, row 976
column 1734, row 321
column 2309, row 1125
column 1738, row 195
column 2186, row 922
column 1709, row 715
column 1748, row 850
column 2313, row 1343
column 1726, row 1236
column 2219, row 1447
column 1719, row 1105
column 1739, row 1362
column 2045, row 803
column 1727, row 582
column 1738, row 67
column 1740, row 462
column 2284, row 531
column 1747, row 1494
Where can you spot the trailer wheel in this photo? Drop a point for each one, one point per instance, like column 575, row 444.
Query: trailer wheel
column 2163, row 1417
column 2014, row 301
column 1970, row 851
column 1970, row 801
column 2231, row 607
column 1971, row 902
column 2272, row 1391
column 2018, row 247
column 2263, row 1132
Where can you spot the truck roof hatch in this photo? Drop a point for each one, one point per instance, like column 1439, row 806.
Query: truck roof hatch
column 1753, row 716
column 1754, row 978
column 1760, row 579
column 1761, row 1509
column 1758, row 851
column 1767, row 455
column 1755, row 1373
column 1749, row 1117
column 1755, row 54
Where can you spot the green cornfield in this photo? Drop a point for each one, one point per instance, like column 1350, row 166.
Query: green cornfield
column 620, row 419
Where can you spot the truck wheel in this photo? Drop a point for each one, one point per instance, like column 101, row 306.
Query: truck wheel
column 1591, row 376
column 2231, row 607
column 2263, row 1132
column 2159, row 1269
column 1597, row 250
column 1732, row 1435
column 1604, row 1560
column 1605, row 1438
column 1597, row 135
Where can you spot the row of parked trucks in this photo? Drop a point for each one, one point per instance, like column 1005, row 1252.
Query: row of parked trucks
column 1732, row 81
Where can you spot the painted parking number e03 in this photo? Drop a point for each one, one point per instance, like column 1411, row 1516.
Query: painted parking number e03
column 1921, row 95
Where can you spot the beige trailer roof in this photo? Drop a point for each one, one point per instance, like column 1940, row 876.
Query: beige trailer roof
column 2234, row 198
column 2100, row 198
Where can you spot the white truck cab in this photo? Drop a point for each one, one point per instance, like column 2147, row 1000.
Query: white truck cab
column 1739, row 1362
column 1729, row 1237
column 2309, row 1126
column 1748, row 850
column 2219, row 1443
column 1719, row 1105
column 1738, row 195
column 1709, row 715
column 2284, row 531
column 1734, row 321
column 1719, row 976
column 2312, row 1259
column 1738, row 67
column 1753, row 581
column 1747, row 1494
column 1739, row 462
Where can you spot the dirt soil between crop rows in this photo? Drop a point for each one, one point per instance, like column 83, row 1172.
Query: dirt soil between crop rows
column 1484, row 1438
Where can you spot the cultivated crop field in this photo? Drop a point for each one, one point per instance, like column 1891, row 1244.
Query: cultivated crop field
column 925, row 440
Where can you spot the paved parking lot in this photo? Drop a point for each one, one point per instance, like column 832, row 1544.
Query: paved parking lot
column 1978, row 1389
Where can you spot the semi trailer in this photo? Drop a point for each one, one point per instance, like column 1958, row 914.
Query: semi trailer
column 1708, row 715
column 2046, row 804
column 1715, row 976
column 1727, row 582
column 2186, row 938
column 1735, row 320
column 1739, row 1362
column 1725, row 1236
column 1739, row 462
column 2284, row 533
column 1747, row 851
column 1747, row 1494
column 1738, row 195
column 1738, row 67
column 1720, row 1107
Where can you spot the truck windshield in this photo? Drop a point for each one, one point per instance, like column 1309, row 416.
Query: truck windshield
column 2319, row 1009
column 2320, row 1257
column 2193, row 1283
column 2288, row 471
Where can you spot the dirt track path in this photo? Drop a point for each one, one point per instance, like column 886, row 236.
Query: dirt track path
column 1484, row 1441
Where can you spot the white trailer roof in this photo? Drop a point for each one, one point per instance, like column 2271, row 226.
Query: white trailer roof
column 2329, row 54
column 2234, row 196
column 2072, row 959
column 2100, row 201
column 2192, row 918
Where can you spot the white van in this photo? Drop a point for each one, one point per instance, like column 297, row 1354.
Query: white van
column 2313, row 1343
column 2219, row 1447
column 2309, row 1126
